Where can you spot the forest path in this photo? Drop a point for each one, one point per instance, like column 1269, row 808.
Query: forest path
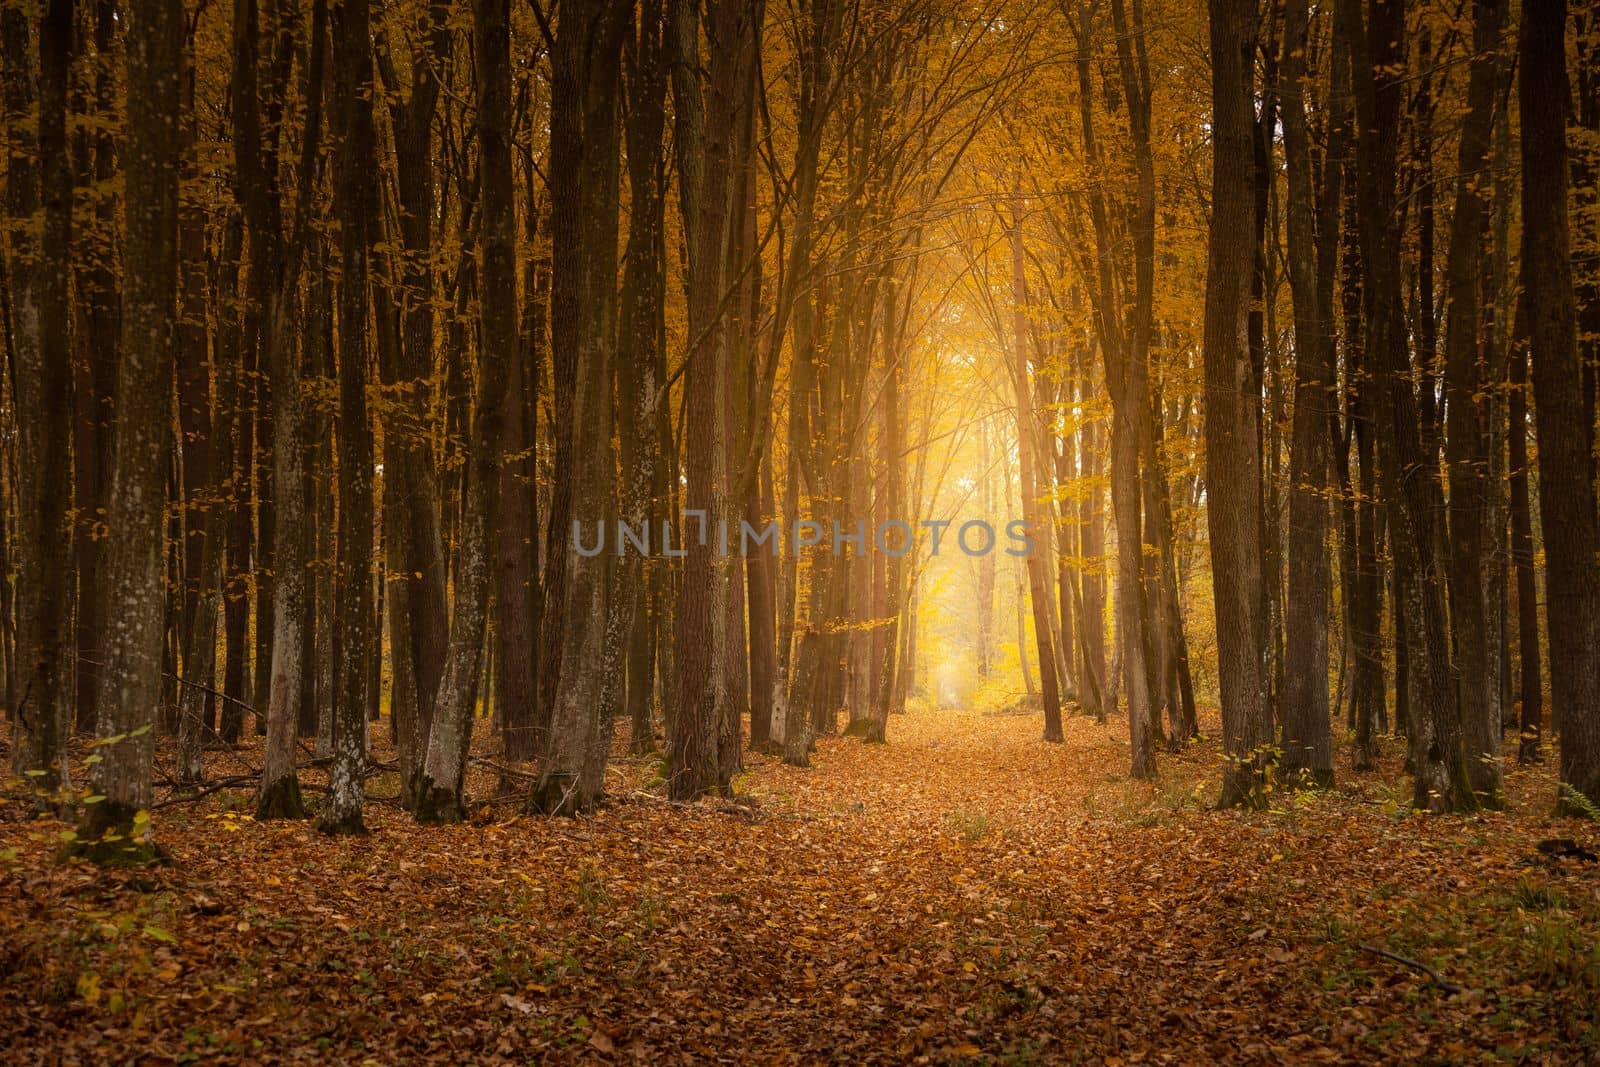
column 965, row 893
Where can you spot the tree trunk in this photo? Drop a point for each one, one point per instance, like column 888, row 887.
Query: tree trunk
column 441, row 793
column 41, row 286
column 278, row 261
column 116, row 828
column 583, row 303
column 1038, row 587
column 1233, row 459
column 195, row 632
column 1467, row 436
column 1530, row 686
column 1129, row 406
column 1410, row 476
column 1567, row 505
column 356, row 195
column 707, row 117
column 1307, row 733
column 97, row 382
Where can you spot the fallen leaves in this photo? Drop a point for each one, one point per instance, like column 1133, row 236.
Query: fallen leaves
column 992, row 898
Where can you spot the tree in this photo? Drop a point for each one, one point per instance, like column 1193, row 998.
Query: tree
column 1409, row 474
column 707, row 113
column 640, row 391
column 1126, row 387
column 275, row 268
column 419, row 626
column 115, row 829
column 42, row 273
column 440, row 795
column 1037, row 586
column 1530, row 687
column 1567, row 504
column 1233, row 461
column 584, row 179
column 1467, row 441
column 356, row 202
column 1307, row 733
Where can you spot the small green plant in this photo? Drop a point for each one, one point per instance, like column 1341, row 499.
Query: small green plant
column 650, row 912
column 1563, row 955
column 655, row 765
column 590, row 891
column 1530, row 897
column 972, row 826
column 1575, row 803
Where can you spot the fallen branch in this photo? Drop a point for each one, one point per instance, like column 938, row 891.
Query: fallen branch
column 747, row 811
column 213, row 787
column 510, row 772
column 373, row 769
column 1433, row 975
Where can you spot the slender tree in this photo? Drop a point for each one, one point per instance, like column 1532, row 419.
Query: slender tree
column 1410, row 477
column 441, row 794
column 584, row 177
column 1307, row 731
column 1567, row 504
column 42, row 268
column 1233, row 459
column 1035, row 564
column 116, row 828
column 355, row 201
column 1467, row 442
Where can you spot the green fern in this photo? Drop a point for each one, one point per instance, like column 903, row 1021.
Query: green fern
column 1575, row 803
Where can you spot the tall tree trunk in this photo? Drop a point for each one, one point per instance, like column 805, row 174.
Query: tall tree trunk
column 233, row 528
column 1233, row 459
column 583, row 303
column 707, row 115
column 99, row 290
column 276, row 261
column 638, row 391
column 1410, row 476
column 1038, row 587
column 356, row 196
column 891, row 552
column 1467, row 445
column 1567, row 505
column 1530, row 687
column 192, row 453
column 1129, row 406
column 43, row 376
column 441, row 793
column 516, row 593
column 116, row 829
column 1307, row 732
column 415, row 549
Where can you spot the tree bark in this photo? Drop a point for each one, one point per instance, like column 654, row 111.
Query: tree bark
column 441, row 793
column 1307, row 733
column 275, row 264
column 356, row 196
column 1530, row 686
column 707, row 115
column 1038, row 587
column 116, row 828
column 583, row 187
column 1233, row 459
column 41, row 284
column 1567, row 504
column 1467, row 444
column 1409, row 474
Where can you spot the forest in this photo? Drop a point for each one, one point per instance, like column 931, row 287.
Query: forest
column 795, row 531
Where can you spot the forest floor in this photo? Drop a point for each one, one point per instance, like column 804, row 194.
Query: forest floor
column 965, row 894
